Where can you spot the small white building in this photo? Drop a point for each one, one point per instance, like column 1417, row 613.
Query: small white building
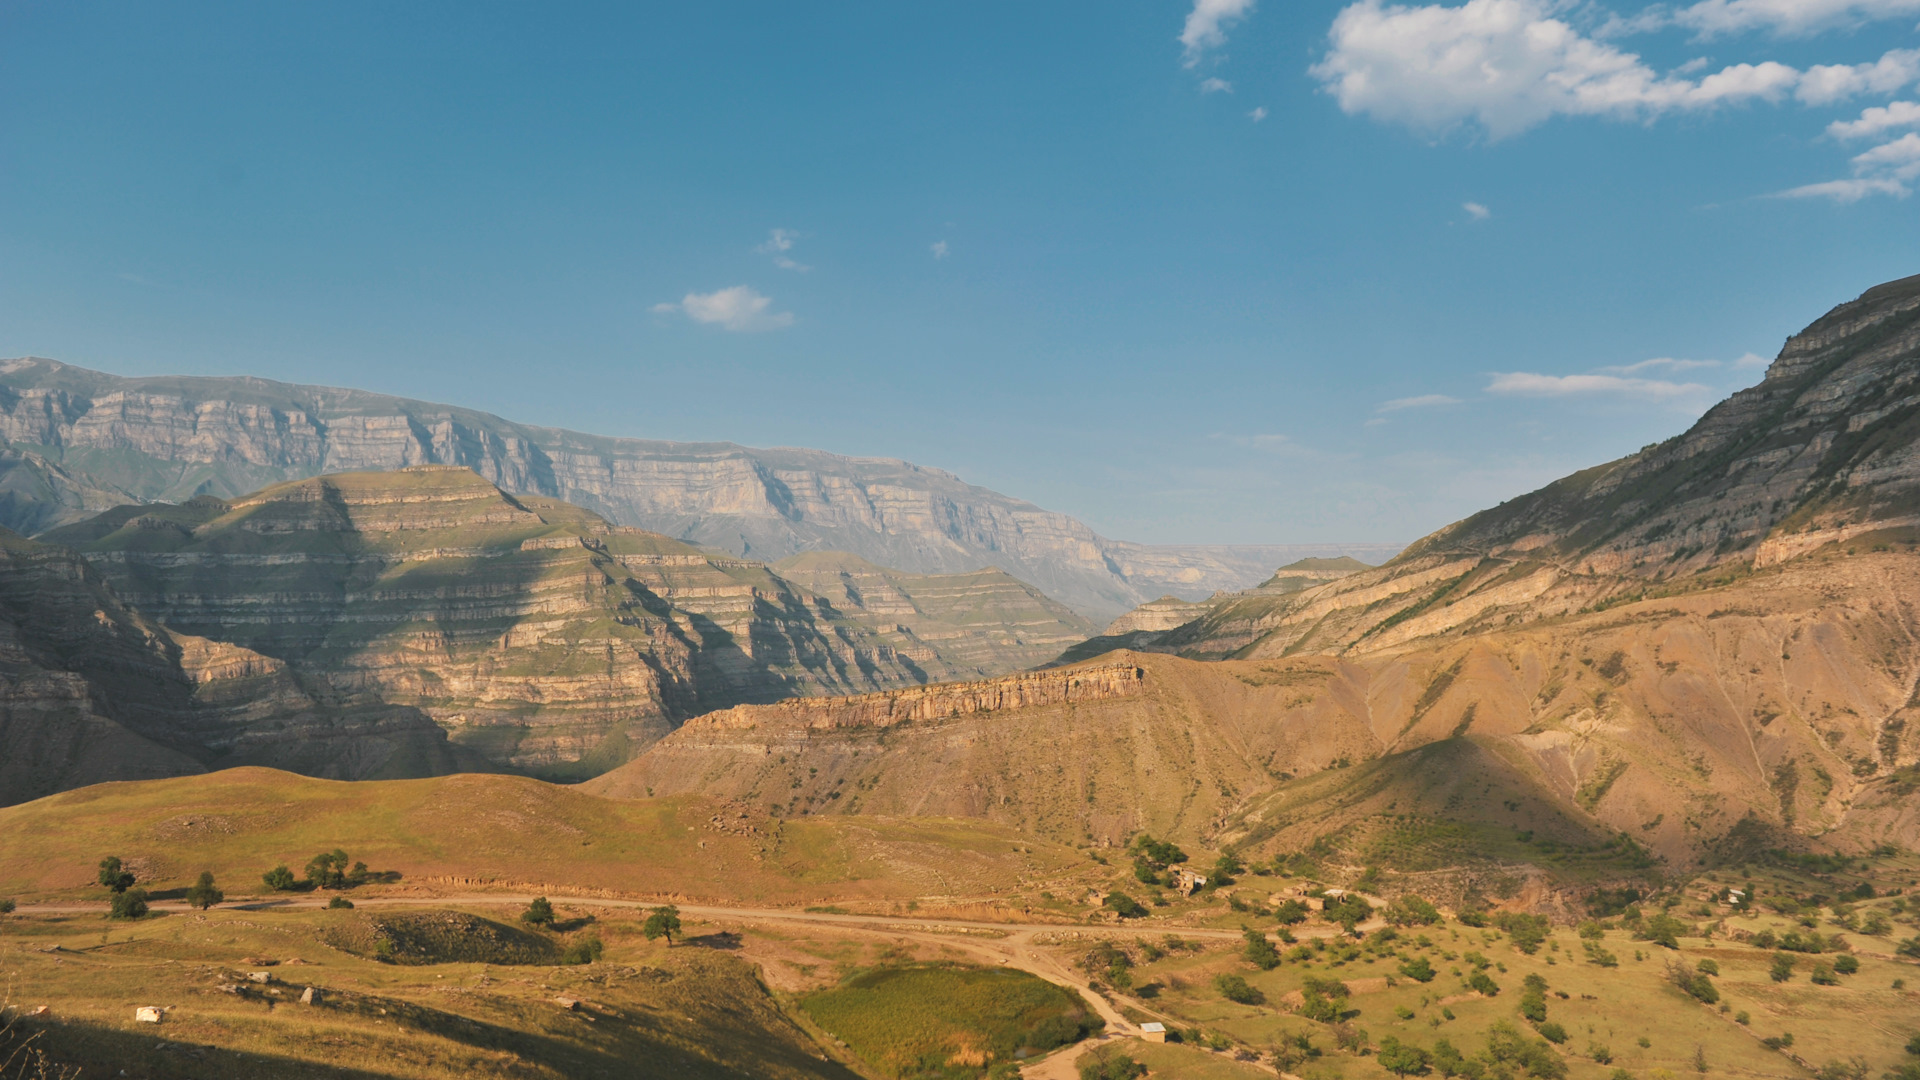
column 1186, row 881
column 1153, row 1031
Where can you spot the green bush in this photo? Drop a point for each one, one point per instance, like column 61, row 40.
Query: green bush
column 1823, row 976
column 1846, row 965
column 584, row 950
column 1260, row 952
column 1480, row 983
column 202, row 894
column 1291, row 912
column 1418, row 969
column 1552, row 1032
column 662, row 922
column 114, row 876
column 1782, row 969
column 130, row 903
column 1707, row 967
column 1400, row 1059
column 1112, row 1065
column 280, row 879
column 1528, row 932
column 1411, row 910
column 1235, row 989
column 6, row 905
column 538, row 913
column 340, row 903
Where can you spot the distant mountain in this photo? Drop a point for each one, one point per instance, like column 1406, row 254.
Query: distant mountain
column 541, row 637
column 81, row 440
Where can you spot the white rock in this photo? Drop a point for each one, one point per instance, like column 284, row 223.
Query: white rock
column 147, row 1014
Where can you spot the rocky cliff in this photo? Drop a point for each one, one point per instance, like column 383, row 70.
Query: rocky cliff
column 540, row 636
column 74, row 431
column 91, row 690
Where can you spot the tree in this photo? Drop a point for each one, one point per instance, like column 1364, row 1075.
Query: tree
column 1291, row 912
column 6, row 905
column 1782, row 967
column 340, row 903
column 114, row 876
column 1236, row 989
column 328, row 870
column 1410, row 910
column 1418, row 969
column 202, row 894
column 662, row 922
column 1260, row 952
column 1480, row 983
column 280, row 879
column 130, row 903
column 1227, row 867
column 586, row 950
column 1144, row 872
column 1448, row 1060
column 1400, row 1059
column 538, row 913
column 1846, row 964
column 1527, row 932
column 1103, row 1063
column 1125, row 906
column 1349, row 911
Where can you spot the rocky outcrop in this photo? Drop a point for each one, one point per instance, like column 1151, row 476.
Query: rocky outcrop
column 169, row 439
column 91, row 691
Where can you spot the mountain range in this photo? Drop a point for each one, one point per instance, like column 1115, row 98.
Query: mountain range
column 78, row 442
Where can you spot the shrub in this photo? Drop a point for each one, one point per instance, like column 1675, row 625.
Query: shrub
column 1401, row 1059
column 1472, row 918
column 1846, row 965
column 1552, row 1032
column 1144, row 873
column 280, row 879
column 1411, row 910
column 1235, row 989
column 1528, row 932
column 538, row 913
column 1480, row 983
column 1742, row 1018
column 6, row 906
column 1418, row 969
column 130, row 903
column 1707, row 967
column 1909, row 947
column 1110, row 1066
column 113, row 876
column 1600, row 1053
column 340, row 903
column 584, row 950
column 1823, row 976
column 1782, row 967
column 1693, row 983
column 328, row 870
column 1291, row 912
column 1663, row 930
column 202, row 894
column 1260, row 952
column 1125, row 906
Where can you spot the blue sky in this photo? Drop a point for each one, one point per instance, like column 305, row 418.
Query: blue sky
column 1319, row 272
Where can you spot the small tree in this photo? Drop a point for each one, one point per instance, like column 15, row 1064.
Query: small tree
column 586, row 950
column 202, row 894
column 1260, row 952
column 1125, row 906
column 1410, row 910
column 280, row 879
column 6, row 906
column 662, row 922
column 114, row 876
column 340, row 903
column 1782, row 967
column 328, row 870
column 1418, row 969
column 130, row 903
column 538, row 913
column 1236, row 989
column 1291, row 912
column 1400, row 1059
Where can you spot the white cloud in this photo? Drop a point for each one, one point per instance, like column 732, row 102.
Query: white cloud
column 939, row 249
column 779, row 242
column 1788, row 17
column 1883, row 170
column 1476, row 211
column 1215, row 86
column 1531, row 384
column 1203, row 29
column 739, row 308
column 1258, row 113
column 1510, row 64
column 1667, row 363
column 1422, row 402
column 1751, row 360
column 1877, row 119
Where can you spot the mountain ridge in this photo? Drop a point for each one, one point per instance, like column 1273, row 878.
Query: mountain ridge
column 74, row 433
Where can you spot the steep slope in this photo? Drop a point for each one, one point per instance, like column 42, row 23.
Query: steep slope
column 91, row 691
column 1824, row 450
column 984, row 623
column 537, row 634
column 169, row 439
column 1729, row 715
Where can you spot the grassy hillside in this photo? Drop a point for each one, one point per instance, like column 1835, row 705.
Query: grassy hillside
column 479, row 831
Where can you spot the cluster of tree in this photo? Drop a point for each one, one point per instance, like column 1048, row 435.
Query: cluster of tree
column 1795, row 941
column 1324, row 1000
column 1152, row 857
column 126, row 901
column 1236, row 989
column 1527, row 932
column 1123, row 905
column 327, row 870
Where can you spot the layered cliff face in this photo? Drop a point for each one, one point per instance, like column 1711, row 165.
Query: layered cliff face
column 541, row 637
column 91, row 690
column 983, row 623
column 169, row 439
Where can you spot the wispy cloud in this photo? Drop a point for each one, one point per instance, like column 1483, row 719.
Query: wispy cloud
column 1424, row 401
column 1205, row 26
column 939, row 249
column 1215, row 86
column 779, row 243
column 1752, row 360
column 1883, row 170
column 1476, row 211
column 1876, row 120
column 1532, row 384
column 1507, row 65
column 1662, row 363
column 1257, row 113
column 739, row 308
column 1787, row 17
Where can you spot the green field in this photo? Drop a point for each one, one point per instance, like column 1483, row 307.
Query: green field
column 943, row 1020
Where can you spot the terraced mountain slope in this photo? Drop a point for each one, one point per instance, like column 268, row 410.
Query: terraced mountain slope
column 540, row 636
column 91, row 690
column 71, row 433
column 984, row 623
